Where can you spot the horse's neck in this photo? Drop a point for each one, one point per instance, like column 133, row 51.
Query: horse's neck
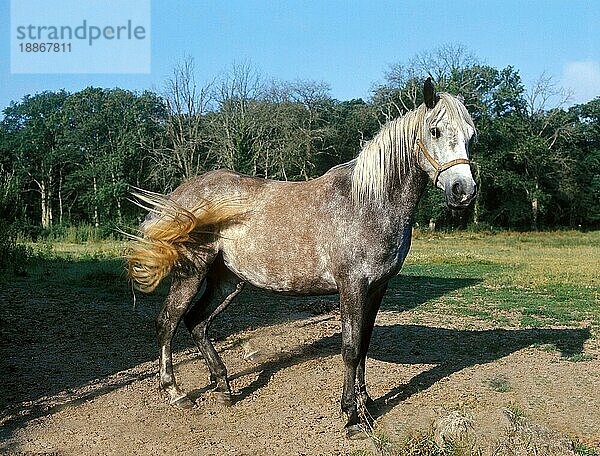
column 404, row 197
column 397, row 207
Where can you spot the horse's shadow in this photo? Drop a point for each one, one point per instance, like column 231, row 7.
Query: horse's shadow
column 449, row 350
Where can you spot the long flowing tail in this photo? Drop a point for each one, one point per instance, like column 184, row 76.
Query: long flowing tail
column 157, row 247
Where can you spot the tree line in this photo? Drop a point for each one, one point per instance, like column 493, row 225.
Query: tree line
column 71, row 158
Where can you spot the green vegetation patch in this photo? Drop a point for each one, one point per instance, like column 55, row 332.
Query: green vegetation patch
column 520, row 279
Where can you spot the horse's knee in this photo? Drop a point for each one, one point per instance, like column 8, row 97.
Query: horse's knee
column 350, row 355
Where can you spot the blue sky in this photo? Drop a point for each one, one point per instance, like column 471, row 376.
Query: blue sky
column 347, row 44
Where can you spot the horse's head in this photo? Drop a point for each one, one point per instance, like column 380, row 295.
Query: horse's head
column 443, row 146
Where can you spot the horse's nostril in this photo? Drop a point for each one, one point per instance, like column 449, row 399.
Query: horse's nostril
column 457, row 189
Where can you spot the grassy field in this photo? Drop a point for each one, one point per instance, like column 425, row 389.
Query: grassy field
column 531, row 280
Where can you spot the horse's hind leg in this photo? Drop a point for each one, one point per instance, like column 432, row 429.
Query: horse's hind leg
column 222, row 286
column 182, row 292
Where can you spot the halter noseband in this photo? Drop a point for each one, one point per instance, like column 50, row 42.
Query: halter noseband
column 439, row 169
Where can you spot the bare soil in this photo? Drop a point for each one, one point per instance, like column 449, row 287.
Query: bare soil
column 79, row 377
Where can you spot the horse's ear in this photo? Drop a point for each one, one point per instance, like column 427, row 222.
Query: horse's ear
column 429, row 93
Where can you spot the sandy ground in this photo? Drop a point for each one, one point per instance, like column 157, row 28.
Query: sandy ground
column 79, row 378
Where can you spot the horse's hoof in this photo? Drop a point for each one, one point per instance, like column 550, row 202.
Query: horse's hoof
column 223, row 398
column 355, row 432
column 183, row 402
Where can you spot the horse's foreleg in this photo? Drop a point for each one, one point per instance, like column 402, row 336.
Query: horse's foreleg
column 352, row 304
column 371, row 309
column 183, row 290
column 220, row 291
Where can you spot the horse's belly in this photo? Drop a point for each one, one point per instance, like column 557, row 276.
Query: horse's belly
column 288, row 268
column 284, row 281
column 288, row 284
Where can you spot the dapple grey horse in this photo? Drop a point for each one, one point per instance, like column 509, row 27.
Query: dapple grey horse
column 346, row 232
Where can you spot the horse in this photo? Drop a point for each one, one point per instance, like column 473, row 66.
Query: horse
column 346, row 232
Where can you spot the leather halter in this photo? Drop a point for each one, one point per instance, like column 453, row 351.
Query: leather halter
column 439, row 168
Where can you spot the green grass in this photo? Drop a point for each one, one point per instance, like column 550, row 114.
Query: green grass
column 515, row 414
column 583, row 450
column 579, row 357
column 93, row 267
column 500, row 384
column 517, row 279
column 527, row 280
column 417, row 444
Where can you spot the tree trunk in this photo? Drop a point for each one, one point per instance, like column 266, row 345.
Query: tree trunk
column 534, row 208
column 60, row 199
column 477, row 205
column 44, row 220
column 476, row 212
column 96, row 218
column 46, row 204
column 118, row 200
column 534, row 214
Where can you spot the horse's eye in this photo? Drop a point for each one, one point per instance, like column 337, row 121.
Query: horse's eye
column 435, row 132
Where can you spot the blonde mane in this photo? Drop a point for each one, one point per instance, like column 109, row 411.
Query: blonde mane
column 391, row 153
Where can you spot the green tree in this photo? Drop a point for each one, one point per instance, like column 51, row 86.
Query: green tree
column 32, row 128
column 295, row 128
column 495, row 100
column 183, row 150
column 107, row 134
column 583, row 202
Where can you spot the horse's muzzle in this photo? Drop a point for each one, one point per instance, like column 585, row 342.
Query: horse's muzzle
column 460, row 193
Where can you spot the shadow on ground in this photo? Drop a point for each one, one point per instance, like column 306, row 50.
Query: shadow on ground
column 448, row 350
column 69, row 332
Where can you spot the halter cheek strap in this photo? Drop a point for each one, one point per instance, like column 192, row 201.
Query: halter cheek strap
column 439, row 168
